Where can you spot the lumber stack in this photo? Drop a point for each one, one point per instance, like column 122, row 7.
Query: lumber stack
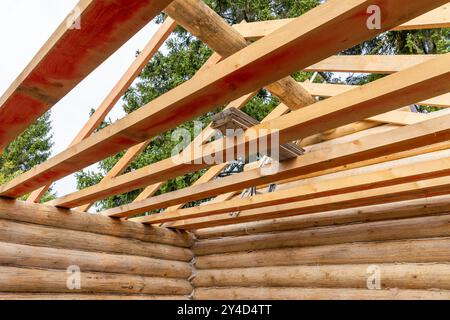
column 41, row 247
column 335, row 255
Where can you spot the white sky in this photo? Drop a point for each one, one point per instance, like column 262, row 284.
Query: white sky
column 24, row 27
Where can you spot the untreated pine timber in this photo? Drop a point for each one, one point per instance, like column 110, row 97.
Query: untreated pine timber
column 380, row 64
column 134, row 151
column 113, row 97
column 249, row 69
column 18, row 211
column 240, row 293
column 406, row 191
column 215, row 170
column 317, row 189
column 330, row 90
column 428, row 79
column 412, row 228
column 397, row 210
column 17, row 255
column 375, row 146
column 399, row 251
column 400, row 276
column 208, row 26
column 55, row 281
column 35, row 235
column 437, row 18
column 69, row 56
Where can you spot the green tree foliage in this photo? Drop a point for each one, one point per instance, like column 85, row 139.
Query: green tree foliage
column 31, row 148
column 183, row 55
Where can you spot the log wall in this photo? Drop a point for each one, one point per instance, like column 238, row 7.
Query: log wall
column 40, row 247
column 338, row 255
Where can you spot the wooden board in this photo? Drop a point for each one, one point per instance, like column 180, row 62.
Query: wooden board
column 69, row 56
column 250, row 69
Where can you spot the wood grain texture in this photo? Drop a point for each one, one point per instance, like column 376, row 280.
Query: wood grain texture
column 55, row 281
column 398, row 251
column 250, row 69
column 69, row 56
column 238, row 293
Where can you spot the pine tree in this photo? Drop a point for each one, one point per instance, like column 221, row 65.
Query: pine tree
column 31, row 148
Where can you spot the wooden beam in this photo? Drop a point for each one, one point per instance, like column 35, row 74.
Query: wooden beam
column 402, row 276
column 351, row 183
column 134, row 151
column 406, row 191
column 381, row 64
column 406, row 118
column 310, row 121
column 202, row 138
column 405, row 251
column 204, row 23
column 437, row 18
column 215, row 170
column 42, row 257
column 316, row 163
column 113, row 97
column 31, row 213
column 331, row 90
column 252, row 68
column 396, row 210
column 398, row 229
column 69, row 56
column 268, row 293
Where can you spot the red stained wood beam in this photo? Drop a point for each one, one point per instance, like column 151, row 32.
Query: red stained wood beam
column 70, row 55
column 314, row 36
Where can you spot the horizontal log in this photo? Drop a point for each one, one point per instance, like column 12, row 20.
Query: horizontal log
column 400, row 251
column 72, row 220
column 40, row 296
column 55, row 281
column 321, row 188
column 403, row 276
column 35, row 235
column 51, row 258
column 415, row 228
column 404, row 209
column 380, row 64
column 339, row 157
column 206, row 25
column 316, row 294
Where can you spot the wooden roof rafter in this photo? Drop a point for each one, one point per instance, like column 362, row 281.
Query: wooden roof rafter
column 68, row 56
column 437, row 18
column 390, row 93
column 289, row 40
column 236, row 69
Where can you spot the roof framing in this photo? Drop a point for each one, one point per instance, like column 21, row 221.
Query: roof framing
column 364, row 145
column 70, row 55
